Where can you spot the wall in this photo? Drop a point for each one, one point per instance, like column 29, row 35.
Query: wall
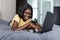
column 0, row 8
column 8, row 9
column 56, row 2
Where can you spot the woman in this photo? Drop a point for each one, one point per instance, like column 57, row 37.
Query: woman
column 22, row 20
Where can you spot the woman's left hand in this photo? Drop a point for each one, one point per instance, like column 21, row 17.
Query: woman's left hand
column 32, row 25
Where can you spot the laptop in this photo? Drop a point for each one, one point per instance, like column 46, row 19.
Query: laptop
column 48, row 22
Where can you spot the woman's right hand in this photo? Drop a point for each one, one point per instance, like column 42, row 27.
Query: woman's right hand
column 32, row 25
column 35, row 26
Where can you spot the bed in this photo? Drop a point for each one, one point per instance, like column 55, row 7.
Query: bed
column 7, row 34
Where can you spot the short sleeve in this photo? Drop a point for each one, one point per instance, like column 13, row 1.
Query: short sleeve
column 16, row 18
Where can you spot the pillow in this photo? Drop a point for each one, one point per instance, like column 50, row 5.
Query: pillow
column 3, row 22
column 48, row 22
column 57, row 15
column 4, row 27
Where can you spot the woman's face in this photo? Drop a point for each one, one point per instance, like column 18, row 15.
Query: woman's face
column 27, row 14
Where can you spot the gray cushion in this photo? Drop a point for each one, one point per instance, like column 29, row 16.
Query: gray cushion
column 4, row 27
column 48, row 22
column 3, row 22
column 57, row 15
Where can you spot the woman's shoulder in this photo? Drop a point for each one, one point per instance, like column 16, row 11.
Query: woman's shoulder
column 16, row 16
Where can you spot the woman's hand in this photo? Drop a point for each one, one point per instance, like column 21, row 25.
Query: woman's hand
column 35, row 26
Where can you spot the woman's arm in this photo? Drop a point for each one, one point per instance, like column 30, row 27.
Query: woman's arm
column 15, row 26
column 23, row 27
